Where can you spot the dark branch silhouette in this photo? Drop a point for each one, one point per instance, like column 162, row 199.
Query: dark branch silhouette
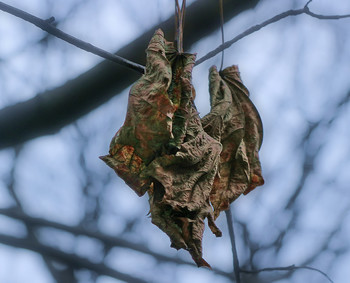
column 48, row 252
column 274, row 19
column 67, row 258
column 236, row 267
column 286, row 268
column 48, row 112
column 47, row 26
column 111, row 241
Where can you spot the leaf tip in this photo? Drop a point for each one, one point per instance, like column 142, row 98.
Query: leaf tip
column 202, row 263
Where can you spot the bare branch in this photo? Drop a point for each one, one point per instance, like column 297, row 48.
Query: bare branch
column 47, row 26
column 108, row 240
column 323, row 17
column 236, row 267
column 222, row 21
column 67, row 258
column 307, row 4
column 274, row 19
column 50, row 111
column 249, row 31
column 64, row 275
column 113, row 241
column 287, row 268
column 309, row 159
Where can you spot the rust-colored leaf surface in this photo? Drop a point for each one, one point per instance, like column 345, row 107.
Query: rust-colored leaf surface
column 235, row 122
column 148, row 123
column 183, row 176
column 180, row 198
column 163, row 149
column 187, row 165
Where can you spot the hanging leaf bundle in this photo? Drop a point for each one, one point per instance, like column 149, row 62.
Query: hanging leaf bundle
column 188, row 166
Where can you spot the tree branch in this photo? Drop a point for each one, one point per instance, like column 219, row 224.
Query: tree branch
column 72, row 260
column 50, row 111
column 64, row 275
column 274, row 19
column 287, row 268
column 47, row 26
column 236, row 267
column 112, row 241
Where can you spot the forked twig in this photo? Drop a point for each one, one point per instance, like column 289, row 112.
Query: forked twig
column 274, row 19
column 47, row 26
column 222, row 32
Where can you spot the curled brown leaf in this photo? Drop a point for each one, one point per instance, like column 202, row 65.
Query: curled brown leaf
column 183, row 181
column 235, row 122
column 163, row 149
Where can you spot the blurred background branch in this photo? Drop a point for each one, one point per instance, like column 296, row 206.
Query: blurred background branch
column 47, row 25
column 59, row 201
column 287, row 268
column 112, row 241
column 48, row 112
column 71, row 260
column 272, row 20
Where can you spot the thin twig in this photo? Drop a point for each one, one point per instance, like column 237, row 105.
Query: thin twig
column 49, row 111
column 286, row 268
column 236, row 267
column 307, row 4
column 323, row 17
column 179, row 24
column 238, row 270
column 222, row 32
column 47, row 26
column 57, row 274
column 274, row 19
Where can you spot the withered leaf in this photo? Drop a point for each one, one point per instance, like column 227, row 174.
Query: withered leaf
column 235, row 122
column 148, row 123
column 179, row 200
column 163, row 149
column 253, row 125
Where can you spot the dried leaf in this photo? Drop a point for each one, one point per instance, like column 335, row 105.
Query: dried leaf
column 234, row 121
column 163, row 149
column 253, row 125
column 148, row 123
column 180, row 198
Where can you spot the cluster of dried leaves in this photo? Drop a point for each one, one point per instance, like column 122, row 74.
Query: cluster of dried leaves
column 187, row 165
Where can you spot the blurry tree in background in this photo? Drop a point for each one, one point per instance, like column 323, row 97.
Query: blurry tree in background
column 66, row 217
